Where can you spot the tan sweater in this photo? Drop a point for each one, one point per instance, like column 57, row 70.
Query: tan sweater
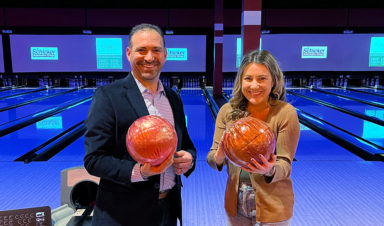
column 273, row 196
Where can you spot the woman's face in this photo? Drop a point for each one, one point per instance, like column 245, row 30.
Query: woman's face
column 256, row 84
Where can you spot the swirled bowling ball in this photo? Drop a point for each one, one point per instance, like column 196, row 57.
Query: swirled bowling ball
column 151, row 139
column 246, row 138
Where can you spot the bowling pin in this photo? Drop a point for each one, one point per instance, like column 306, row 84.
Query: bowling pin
column 377, row 82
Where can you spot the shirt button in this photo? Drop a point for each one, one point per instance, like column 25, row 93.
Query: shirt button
column 157, row 186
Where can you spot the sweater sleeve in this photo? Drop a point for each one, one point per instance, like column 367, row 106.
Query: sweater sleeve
column 288, row 133
column 220, row 127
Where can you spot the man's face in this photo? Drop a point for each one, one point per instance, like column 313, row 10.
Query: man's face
column 146, row 55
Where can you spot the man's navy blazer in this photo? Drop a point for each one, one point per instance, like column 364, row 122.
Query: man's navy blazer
column 114, row 108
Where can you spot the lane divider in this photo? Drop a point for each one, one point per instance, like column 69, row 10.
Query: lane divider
column 357, row 145
column 27, row 157
column 38, row 99
column 26, row 121
column 324, row 103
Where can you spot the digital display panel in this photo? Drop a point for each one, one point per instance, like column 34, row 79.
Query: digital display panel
column 372, row 130
column 54, row 122
column 109, row 53
column 232, row 52
column 315, row 52
column 239, row 52
column 1, row 55
column 376, row 52
column 44, row 53
column 186, row 53
column 94, row 53
column 177, row 54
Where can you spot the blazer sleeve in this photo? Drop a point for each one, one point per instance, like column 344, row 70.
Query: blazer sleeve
column 100, row 142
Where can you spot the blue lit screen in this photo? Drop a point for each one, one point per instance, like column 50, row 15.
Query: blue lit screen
column 315, row 52
column 54, row 122
column 1, row 55
column 109, row 53
column 87, row 53
column 376, row 52
column 372, row 130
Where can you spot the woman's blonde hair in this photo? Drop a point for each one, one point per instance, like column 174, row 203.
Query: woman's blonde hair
column 238, row 102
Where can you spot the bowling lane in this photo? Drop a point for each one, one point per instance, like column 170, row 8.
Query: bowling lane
column 313, row 146
column 29, row 109
column 352, row 105
column 199, row 121
column 72, row 153
column 367, row 90
column 357, row 95
column 30, row 185
column 28, row 96
column 203, row 190
column 10, row 92
column 205, row 187
column 362, row 128
column 21, row 141
column 330, row 193
column 27, row 93
column 228, row 91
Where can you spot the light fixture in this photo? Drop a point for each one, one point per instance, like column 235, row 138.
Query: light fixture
column 5, row 31
column 169, row 32
column 265, row 31
column 87, row 32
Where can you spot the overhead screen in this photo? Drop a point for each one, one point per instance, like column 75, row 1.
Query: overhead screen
column 98, row 53
column 1, row 55
column 187, row 53
column 315, row 52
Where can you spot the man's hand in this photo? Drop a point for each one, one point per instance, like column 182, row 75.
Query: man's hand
column 147, row 170
column 182, row 162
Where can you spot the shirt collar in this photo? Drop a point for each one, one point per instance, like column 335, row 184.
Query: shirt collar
column 160, row 88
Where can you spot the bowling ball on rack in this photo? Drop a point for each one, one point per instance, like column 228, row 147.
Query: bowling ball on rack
column 246, row 138
column 151, row 139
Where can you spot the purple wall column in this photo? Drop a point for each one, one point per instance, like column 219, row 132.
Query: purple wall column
column 218, row 54
column 251, row 25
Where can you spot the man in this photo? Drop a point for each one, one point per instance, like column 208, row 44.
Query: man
column 130, row 193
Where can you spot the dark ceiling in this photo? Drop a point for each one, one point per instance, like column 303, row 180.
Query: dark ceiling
column 188, row 3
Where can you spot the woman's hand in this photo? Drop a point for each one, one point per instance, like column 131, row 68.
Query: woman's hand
column 220, row 155
column 265, row 168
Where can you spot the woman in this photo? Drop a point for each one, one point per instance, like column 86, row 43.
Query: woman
column 259, row 194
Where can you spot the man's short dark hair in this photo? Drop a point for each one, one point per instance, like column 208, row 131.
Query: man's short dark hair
column 143, row 27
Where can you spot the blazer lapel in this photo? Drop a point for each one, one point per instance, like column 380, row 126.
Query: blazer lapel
column 134, row 96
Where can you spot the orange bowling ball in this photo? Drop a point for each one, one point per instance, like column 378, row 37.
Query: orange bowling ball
column 151, row 139
column 246, row 138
